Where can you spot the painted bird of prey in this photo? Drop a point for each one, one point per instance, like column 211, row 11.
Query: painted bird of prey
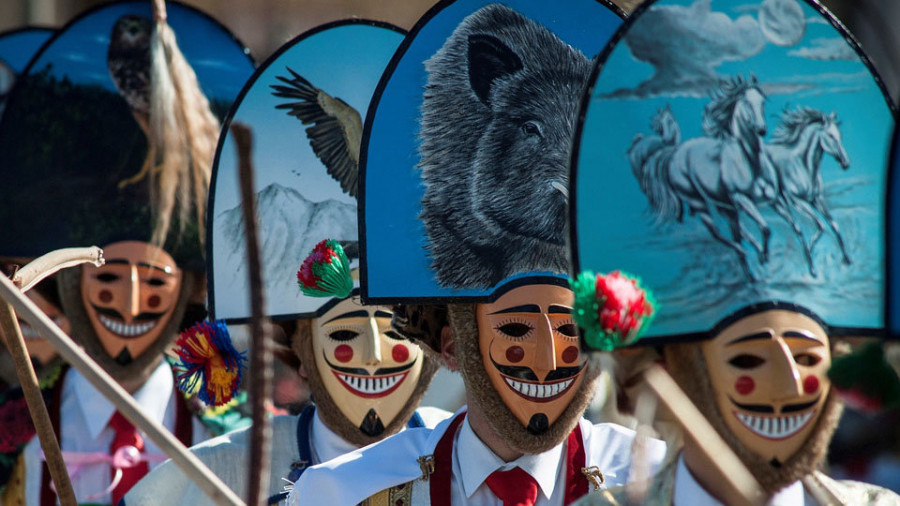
column 334, row 131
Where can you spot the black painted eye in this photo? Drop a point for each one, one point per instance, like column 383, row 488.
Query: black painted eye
column 568, row 330
column 807, row 359
column 156, row 282
column 107, row 277
column 343, row 335
column 393, row 335
column 747, row 361
column 531, row 128
column 515, row 329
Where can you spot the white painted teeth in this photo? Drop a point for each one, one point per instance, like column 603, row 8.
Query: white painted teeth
column 779, row 427
column 371, row 386
column 126, row 329
column 537, row 390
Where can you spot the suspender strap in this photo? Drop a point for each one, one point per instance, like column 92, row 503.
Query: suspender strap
column 576, row 481
column 443, row 464
column 184, row 421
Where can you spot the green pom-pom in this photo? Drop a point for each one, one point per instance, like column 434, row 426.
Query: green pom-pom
column 613, row 310
column 326, row 271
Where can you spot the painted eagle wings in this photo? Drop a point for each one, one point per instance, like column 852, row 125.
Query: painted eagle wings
column 335, row 130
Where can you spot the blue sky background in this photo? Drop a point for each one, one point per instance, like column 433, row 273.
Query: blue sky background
column 346, row 62
column 397, row 265
column 17, row 48
column 697, row 280
column 219, row 61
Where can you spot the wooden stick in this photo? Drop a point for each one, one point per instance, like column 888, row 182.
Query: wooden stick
column 47, row 265
column 260, row 350
column 208, row 482
column 32, row 391
column 744, row 488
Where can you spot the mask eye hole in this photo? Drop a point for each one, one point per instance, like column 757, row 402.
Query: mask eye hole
column 156, row 282
column 746, row 361
column 107, row 277
column 343, row 335
column 395, row 336
column 807, row 359
column 515, row 330
column 568, row 330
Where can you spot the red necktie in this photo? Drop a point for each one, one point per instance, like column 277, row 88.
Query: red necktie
column 514, row 487
column 126, row 435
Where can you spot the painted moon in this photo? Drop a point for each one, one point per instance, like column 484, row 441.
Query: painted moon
column 782, row 22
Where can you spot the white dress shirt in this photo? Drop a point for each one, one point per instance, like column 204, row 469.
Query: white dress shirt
column 84, row 415
column 324, row 443
column 473, row 462
column 690, row 493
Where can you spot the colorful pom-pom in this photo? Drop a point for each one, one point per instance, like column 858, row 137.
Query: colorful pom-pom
column 209, row 365
column 865, row 380
column 326, row 271
column 612, row 310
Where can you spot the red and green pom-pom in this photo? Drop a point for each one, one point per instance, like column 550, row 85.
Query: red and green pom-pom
column 612, row 310
column 209, row 365
column 865, row 380
column 326, row 271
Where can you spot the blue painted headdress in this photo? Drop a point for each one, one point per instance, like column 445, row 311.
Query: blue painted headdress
column 740, row 170
column 464, row 158
column 305, row 107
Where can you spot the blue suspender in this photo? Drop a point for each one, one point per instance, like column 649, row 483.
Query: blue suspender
column 415, row 421
column 305, row 460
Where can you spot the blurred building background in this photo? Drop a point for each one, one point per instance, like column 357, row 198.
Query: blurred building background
column 264, row 25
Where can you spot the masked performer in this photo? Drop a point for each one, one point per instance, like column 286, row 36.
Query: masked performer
column 93, row 133
column 499, row 259
column 755, row 280
column 366, row 380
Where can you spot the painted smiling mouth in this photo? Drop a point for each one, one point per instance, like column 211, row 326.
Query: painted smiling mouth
column 126, row 329
column 776, row 427
column 370, row 386
column 539, row 392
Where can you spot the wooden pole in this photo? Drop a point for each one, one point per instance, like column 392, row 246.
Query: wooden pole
column 742, row 485
column 260, row 350
column 208, row 482
column 39, row 415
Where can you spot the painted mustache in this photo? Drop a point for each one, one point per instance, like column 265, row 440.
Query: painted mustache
column 767, row 408
column 526, row 374
column 525, row 383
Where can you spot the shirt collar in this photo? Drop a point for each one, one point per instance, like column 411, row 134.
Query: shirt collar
column 325, row 444
column 477, row 462
column 96, row 410
column 688, row 491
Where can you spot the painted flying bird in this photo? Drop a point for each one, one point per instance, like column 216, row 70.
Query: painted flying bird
column 335, row 130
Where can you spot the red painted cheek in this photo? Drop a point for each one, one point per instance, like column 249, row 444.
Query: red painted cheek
column 154, row 301
column 744, row 385
column 811, row 384
column 400, row 353
column 515, row 354
column 343, row 353
column 105, row 296
column 570, row 354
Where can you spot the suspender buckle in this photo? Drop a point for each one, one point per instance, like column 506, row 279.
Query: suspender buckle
column 594, row 476
column 426, row 464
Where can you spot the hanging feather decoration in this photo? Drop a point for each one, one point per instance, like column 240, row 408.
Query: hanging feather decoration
column 612, row 309
column 209, row 366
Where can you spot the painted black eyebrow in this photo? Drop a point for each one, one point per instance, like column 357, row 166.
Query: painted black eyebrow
column 121, row 261
column 525, row 308
column 383, row 314
column 352, row 314
column 799, row 334
column 116, row 261
column 553, row 309
column 767, row 334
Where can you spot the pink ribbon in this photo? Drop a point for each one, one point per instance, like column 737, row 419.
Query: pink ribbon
column 125, row 457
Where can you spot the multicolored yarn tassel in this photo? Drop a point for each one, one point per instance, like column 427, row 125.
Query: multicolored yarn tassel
column 612, row 310
column 865, row 380
column 209, row 364
column 326, row 271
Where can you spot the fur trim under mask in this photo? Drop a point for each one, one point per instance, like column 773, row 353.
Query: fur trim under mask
column 688, row 368
column 134, row 374
column 480, row 391
column 331, row 414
